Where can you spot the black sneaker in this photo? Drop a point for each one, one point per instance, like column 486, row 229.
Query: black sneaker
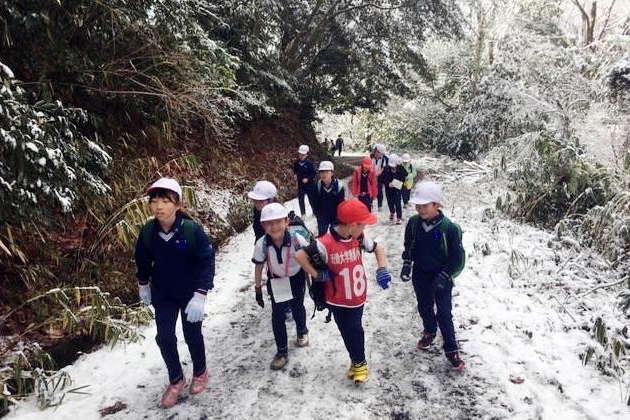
column 457, row 363
column 426, row 341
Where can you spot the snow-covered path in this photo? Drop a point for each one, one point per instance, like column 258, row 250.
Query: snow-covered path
column 508, row 315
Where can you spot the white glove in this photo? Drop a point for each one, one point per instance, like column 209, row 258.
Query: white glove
column 145, row 293
column 194, row 309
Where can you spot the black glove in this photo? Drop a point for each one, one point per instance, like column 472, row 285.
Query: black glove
column 442, row 281
column 405, row 272
column 259, row 297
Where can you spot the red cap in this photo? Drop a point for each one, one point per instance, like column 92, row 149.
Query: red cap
column 354, row 211
column 366, row 161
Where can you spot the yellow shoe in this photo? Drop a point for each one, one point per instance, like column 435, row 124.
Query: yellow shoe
column 360, row 373
column 351, row 371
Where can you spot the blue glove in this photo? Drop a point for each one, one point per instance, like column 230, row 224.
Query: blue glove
column 145, row 293
column 405, row 272
column 442, row 281
column 194, row 309
column 324, row 275
column 383, row 277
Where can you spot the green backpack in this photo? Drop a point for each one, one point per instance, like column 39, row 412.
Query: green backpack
column 188, row 227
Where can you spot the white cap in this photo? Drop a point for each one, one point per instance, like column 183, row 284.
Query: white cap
column 273, row 211
column 393, row 160
column 326, row 165
column 303, row 149
column 426, row 192
column 406, row 158
column 263, row 190
column 380, row 148
column 167, row 184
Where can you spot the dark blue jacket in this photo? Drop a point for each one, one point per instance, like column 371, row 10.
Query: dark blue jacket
column 427, row 249
column 389, row 174
column 304, row 169
column 171, row 268
column 259, row 230
column 326, row 202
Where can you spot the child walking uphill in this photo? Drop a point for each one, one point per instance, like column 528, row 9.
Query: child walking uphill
column 394, row 177
column 286, row 279
column 175, row 266
column 412, row 172
column 345, row 281
column 305, row 173
column 328, row 195
column 433, row 249
column 263, row 193
column 364, row 182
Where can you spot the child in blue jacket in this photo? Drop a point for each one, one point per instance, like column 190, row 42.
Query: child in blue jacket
column 175, row 271
column 433, row 247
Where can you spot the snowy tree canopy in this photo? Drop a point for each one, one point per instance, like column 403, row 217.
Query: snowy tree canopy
column 47, row 162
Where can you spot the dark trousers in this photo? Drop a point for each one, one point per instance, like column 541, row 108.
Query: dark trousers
column 379, row 196
column 298, row 286
column 393, row 201
column 428, row 297
column 406, row 194
column 339, row 149
column 323, row 224
column 348, row 321
column 166, row 312
column 365, row 199
column 308, row 191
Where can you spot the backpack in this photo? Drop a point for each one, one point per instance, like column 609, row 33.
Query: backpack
column 188, row 229
column 336, row 186
column 443, row 227
column 296, row 226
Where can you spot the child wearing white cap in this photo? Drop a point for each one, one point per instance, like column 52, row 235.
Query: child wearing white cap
column 412, row 172
column 434, row 251
column 286, row 279
column 263, row 193
column 379, row 163
column 305, row 173
column 394, row 177
column 328, row 194
column 175, row 271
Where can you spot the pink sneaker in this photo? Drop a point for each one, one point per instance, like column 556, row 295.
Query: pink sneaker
column 170, row 396
column 199, row 383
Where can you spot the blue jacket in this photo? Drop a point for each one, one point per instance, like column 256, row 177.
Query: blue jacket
column 326, row 202
column 436, row 250
column 171, row 268
column 304, row 169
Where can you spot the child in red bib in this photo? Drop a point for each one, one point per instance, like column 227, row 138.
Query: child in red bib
column 345, row 282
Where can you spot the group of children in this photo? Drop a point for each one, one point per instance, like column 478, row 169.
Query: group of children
column 175, row 262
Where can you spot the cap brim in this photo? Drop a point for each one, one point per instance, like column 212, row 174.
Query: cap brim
column 369, row 219
column 255, row 196
column 161, row 188
column 420, row 201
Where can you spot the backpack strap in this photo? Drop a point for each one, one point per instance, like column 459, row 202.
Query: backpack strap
column 146, row 234
column 336, row 186
column 188, row 229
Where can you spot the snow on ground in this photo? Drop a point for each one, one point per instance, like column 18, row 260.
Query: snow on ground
column 516, row 313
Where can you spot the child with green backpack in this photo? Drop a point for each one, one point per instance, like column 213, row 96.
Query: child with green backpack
column 286, row 282
column 434, row 251
column 175, row 271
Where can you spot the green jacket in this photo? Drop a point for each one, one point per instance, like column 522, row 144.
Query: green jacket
column 412, row 172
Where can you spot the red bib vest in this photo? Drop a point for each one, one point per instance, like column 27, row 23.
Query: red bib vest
column 349, row 285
